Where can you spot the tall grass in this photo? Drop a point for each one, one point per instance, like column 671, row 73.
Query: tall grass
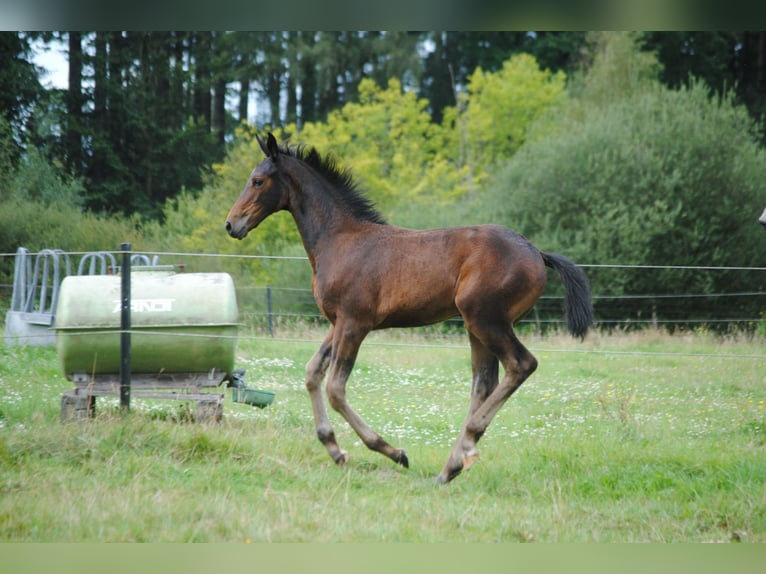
column 645, row 437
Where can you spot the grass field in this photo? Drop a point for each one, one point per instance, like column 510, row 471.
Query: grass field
column 622, row 438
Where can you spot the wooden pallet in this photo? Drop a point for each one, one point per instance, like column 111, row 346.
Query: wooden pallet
column 80, row 402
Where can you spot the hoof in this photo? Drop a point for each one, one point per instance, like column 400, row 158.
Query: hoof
column 402, row 459
column 448, row 475
column 341, row 458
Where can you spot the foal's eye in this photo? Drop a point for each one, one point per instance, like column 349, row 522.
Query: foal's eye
column 257, row 182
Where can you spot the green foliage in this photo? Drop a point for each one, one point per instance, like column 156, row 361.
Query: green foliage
column 36, row 225
column 8, row 151
column 40, row 208
column 39, row 180
column 500, row 107
column 20, row 88
column 660, row 177
column 394, row 149
column 618, row 67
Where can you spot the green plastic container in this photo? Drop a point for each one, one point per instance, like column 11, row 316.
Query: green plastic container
column 187, row 323
column 255, row 397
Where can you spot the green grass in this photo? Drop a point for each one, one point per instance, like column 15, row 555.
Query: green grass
column 624, row 438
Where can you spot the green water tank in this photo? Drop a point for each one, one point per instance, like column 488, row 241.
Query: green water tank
column 180, row 323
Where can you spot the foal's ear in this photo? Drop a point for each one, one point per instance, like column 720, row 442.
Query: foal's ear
column 273, row 147
column 264, row 149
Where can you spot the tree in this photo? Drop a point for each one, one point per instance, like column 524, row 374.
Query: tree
column 20, row 89
column 500, row 107
column 145, row 131
column 332, row 64
column 725, row 60
column 454, row 56
column 615, row 67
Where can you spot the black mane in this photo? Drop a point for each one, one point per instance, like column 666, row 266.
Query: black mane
column 342, row 183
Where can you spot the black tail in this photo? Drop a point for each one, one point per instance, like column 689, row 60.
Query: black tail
column 577, row 304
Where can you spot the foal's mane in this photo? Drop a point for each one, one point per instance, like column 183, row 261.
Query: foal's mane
column 342, row 184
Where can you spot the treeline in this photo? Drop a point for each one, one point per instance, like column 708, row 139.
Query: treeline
column 147, row 113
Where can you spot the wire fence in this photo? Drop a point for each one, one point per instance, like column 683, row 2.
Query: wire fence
column 274, row 299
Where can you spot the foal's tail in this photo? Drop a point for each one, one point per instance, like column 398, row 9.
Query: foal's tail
column 577, row 303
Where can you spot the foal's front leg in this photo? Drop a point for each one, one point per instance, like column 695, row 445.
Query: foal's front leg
column 315, row 372
column 345, row 348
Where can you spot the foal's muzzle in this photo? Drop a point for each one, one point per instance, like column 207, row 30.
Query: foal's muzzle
column 236, row 231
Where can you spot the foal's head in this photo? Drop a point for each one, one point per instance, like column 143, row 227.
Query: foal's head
column 263, row 194
column 269, row 185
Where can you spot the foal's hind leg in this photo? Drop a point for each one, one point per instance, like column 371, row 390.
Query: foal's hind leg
column 485, row 377
column 485, row 373
column 518, row 363
column 315, row 372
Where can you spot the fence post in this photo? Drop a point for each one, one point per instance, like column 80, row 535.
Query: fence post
column 268, row 310
column 125, row 329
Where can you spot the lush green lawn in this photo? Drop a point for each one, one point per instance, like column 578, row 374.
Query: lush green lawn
column 623, row 438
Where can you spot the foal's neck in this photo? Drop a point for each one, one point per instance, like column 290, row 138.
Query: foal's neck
column 318, row 216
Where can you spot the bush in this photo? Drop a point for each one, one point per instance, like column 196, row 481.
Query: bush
column 659, row 178
column 36, row 226
column 37, row 179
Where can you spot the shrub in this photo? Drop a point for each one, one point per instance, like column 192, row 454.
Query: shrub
column 662, row 177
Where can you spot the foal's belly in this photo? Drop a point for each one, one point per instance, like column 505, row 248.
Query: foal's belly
column 433, row 312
